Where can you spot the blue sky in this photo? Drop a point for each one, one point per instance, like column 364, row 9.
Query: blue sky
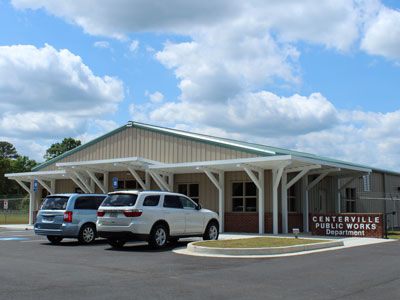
column 315, row 76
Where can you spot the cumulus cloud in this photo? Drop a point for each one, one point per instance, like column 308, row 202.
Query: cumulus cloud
column 156, row 97
column 50, row 94
column 382, row 35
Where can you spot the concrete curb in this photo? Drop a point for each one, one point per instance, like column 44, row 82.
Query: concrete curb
column 191, row 247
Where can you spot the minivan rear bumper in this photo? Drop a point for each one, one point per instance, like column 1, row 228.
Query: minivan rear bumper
column 64, row 231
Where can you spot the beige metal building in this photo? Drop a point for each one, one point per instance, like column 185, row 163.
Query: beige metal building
column 254, row 188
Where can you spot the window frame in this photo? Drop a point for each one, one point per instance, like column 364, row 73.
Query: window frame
column 196, row 199
column 244, row 197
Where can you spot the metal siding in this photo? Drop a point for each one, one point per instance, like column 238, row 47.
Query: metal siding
column 147, row 144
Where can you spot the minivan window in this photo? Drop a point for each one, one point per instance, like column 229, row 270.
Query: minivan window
column 120, row 200
column 151, row 200
column 55, row 203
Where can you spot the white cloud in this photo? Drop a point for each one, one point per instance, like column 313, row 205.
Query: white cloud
column 102, row 44
column 382, row 36
column 50, row 94
column 156, row 97
column 134, row 46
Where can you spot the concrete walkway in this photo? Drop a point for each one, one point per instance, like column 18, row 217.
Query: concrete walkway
column 17, row 226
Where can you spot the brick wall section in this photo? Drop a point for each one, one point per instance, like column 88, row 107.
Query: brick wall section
column 248, row 222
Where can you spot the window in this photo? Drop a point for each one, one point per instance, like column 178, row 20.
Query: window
column 85, row 203
column 151, row 200
column 292, row 199
column 187, row 204
column 244, row 196
column 129, row 184
column 350, row 199
column 189, row 189
column 366, row 182
column 55, row 203
column 120, row 200
column 172, row 201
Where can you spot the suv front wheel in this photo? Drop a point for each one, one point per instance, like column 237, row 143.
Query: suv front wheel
column 212, row 231
column 158, row 236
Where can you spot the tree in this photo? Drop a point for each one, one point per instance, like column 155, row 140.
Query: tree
column 23, row 164
column 59, row 148
column 7, row 150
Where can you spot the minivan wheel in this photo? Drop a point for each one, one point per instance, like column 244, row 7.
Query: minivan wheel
column 116, row 243
column 212, row 231
column 87, row 235
column 158, row 237
column 54, row 239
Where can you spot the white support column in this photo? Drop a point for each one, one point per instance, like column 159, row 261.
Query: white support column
column 105, row 181
column 305, row 203
column 261, row 206
column 96, row 180
column 32, row 204
column 219, row 184
column 43, row 184
column 338, row 208
column 276, row 178
column 171, row 182
column 148, row 180
column 78, row 183
column 137, row 177
column 53, row 186
column 84, row 181
column 284, row 203
column 259, row 182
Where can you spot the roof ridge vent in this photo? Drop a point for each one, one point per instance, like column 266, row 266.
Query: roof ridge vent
column 129, row 124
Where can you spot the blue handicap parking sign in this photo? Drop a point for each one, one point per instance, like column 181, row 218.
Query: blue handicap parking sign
column 35, row 186
column 115, row 182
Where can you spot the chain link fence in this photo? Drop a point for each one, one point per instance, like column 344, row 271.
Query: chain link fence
column 14, row 209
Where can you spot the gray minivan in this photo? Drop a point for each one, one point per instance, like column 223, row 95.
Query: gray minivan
column 69, row 216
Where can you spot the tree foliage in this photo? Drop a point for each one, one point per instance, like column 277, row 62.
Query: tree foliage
column 11, row 162
column 59, row 148
column 7, row 150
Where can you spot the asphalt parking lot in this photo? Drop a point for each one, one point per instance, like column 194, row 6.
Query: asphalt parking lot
column 32, row 268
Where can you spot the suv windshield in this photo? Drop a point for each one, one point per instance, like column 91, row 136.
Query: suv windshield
column 120, row 200
column 55, row 203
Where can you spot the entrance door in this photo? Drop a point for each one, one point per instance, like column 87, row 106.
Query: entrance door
column 322, row 201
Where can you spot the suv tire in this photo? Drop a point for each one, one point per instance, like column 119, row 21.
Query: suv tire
column 212, row 231
column 116, row 243
column 88, row 234
column 54, row 239
column 158, row 236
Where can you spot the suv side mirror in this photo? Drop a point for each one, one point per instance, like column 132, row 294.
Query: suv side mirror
column 198, row 207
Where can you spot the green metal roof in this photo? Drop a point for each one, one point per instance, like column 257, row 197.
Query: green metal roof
column 257, row 149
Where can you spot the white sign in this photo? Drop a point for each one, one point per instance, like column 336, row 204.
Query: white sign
column 5, row 204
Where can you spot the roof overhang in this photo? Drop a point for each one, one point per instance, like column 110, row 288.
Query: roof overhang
column 109, row 165
column 45, row 175
column 289, row 162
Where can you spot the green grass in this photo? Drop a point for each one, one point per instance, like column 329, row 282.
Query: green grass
column 14, row 218
column 394, row 235
column 258, row 242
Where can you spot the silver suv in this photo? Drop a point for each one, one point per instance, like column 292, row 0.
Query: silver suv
column 153, row 216
column 69, row 216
